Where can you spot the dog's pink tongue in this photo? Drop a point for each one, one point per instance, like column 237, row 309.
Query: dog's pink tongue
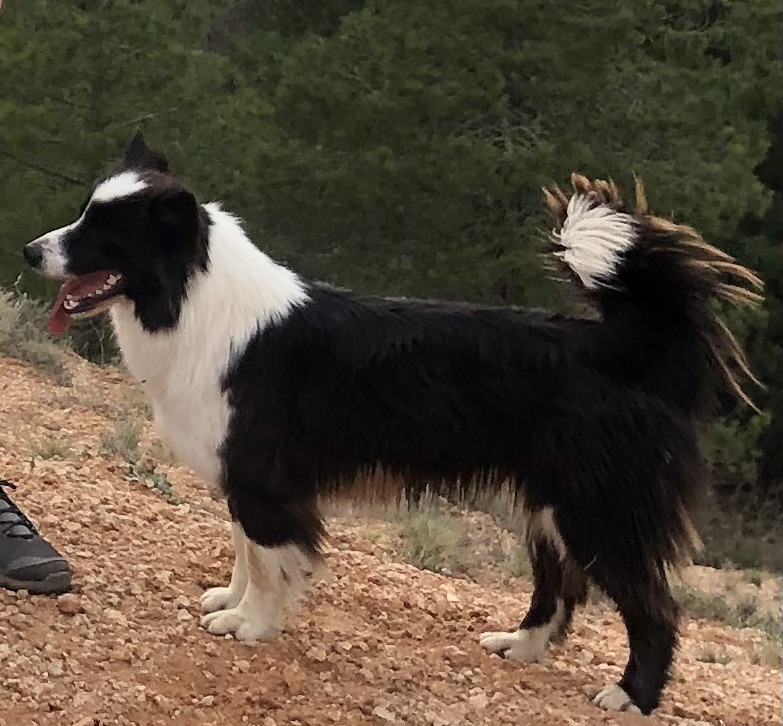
column 59, row 320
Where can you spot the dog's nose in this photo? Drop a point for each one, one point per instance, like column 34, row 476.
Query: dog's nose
column 33, row 254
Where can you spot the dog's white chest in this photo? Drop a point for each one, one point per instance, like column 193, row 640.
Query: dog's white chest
column 183, row 382
column 194, row 422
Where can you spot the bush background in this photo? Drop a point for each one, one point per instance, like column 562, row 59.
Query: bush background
column 399, row 147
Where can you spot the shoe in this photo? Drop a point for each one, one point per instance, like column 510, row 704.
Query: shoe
column 27, row 560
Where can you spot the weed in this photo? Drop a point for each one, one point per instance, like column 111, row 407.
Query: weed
column 53, row 449
column 23, row 336
column 517, row 564
column 714, row 607
column 767, row 654
column 123, row 439
column 146, row 473
column 753, row 577
column 710, row 655
column 436, row 542
column 161, row 453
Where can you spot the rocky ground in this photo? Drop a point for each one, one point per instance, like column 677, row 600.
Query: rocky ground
column 378, row 642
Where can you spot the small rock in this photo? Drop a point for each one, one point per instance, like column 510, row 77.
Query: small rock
column 183, row 615
column 243, row 666
column 384, row 713
column 181, row 601
column 585, row 657
column 317, row 654
column 293, row 677
column 115, row 616
column 479, row 701
column 681, row 712
column 207, row 701
column 69, row 604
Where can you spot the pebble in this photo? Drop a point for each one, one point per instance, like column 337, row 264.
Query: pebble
column 384, row 714
column 69, row 604
column 373, row 651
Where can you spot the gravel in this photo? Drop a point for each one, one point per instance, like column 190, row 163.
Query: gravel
column 378, row 642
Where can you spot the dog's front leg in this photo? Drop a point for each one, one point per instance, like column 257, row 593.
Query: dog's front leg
column 225, row 598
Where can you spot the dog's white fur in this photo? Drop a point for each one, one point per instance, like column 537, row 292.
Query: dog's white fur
column 595, row 238
column 275, row 579
column 614, row 698
column 118, row 187
column 181, row 370
column 529, row 645
column 54, row 261
column 225, row 598
column 242, row 291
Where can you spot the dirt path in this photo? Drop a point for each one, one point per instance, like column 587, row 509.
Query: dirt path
column 379, row 643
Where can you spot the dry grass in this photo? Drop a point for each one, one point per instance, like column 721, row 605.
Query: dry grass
column 767, row 654
column 742, row 614
column 53, row 448
column 437, row 542
column 123, row 438
column 23, row 336
column 710, row 654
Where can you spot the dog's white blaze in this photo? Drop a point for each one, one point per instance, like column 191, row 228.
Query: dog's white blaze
column 242, row 291
column 116, row 187
column 529, row 645
column 54, row 262
column 594, row 238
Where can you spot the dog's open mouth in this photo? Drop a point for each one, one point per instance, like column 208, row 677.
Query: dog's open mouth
column 84, row 296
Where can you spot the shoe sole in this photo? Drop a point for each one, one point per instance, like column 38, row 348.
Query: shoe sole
column 53, row 584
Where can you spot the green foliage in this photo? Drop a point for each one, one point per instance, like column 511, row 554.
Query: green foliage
column 399, row 147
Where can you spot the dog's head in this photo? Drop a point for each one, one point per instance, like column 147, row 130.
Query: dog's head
column 137, row 238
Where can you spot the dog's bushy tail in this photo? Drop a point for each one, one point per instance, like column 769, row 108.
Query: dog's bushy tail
column 656, row 284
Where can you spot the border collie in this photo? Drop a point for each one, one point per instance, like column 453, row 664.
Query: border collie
column 275, row 390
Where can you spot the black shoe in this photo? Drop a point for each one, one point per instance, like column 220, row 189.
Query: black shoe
column 27, row 561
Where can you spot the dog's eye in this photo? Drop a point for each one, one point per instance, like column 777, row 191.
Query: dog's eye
column 97, row 215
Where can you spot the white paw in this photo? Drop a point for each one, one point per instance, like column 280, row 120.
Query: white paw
column 219, row 598
column 614, row 698
column 527, row 646
column 242, row 622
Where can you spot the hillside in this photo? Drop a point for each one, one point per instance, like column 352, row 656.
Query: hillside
column 380, row 642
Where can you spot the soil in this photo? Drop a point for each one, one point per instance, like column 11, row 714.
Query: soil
column 379, row 642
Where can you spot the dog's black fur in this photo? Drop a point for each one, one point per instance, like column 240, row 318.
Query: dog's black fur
column 593, row 421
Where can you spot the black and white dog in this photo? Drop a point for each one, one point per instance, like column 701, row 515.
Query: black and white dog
column 276, row 390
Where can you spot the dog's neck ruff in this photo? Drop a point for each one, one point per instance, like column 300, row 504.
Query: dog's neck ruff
column 183, row 368
column 240, row 292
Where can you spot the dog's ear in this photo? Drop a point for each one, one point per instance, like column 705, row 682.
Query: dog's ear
column 140, row 156
column 175, row 213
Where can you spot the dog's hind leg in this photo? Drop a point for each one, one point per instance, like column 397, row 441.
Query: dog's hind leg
column 224, row 598
column 557, row 590
column 650, row 616
column 574, row 593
